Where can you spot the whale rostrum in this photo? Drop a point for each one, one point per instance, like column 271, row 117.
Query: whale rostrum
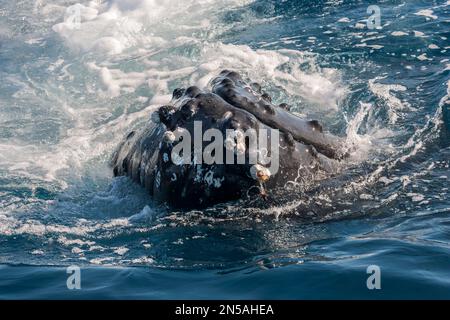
column 205, row 148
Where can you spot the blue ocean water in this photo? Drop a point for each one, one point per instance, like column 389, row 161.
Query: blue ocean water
column 76, row 77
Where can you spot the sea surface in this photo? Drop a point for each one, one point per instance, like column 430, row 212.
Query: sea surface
column 76, row 77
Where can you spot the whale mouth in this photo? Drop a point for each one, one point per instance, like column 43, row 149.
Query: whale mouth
column 214, row 145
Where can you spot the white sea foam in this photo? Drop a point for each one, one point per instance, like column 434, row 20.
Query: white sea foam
column 345, row 19
column 114, row 26
column 419, row 34
column 370, row 142
column 316, row 85
column 399, row 33
column 384, row 92
column 121, row 251
column 423, row 57
column 426, row 13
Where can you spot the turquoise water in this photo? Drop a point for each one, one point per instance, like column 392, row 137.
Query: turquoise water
column 71, row 88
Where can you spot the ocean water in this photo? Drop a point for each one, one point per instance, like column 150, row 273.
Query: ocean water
column 76, row 77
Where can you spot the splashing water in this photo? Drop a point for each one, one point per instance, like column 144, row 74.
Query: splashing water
column 76, row 77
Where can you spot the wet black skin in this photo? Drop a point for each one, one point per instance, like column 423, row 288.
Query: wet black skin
column 305, row 151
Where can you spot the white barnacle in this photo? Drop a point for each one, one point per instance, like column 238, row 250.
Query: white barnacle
column 165, row 157
column 229, row 143
column 169, row 137
column 260, row 173
column 240, row 148
column 174, row 177
column 239, row 135
column 227, row 115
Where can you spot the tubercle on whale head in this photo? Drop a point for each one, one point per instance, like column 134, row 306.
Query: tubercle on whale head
column 183, row 106
column 165, row 115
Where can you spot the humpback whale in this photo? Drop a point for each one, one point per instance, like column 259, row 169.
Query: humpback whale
column 220, row 160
